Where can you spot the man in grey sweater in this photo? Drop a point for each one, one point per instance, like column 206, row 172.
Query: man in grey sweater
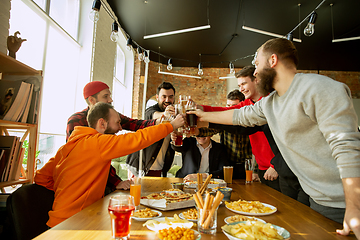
column 314, row 124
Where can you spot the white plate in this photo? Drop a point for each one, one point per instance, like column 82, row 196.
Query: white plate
column 196, row 234
column 181, row 215
column 257, row 219
column 281, row 231
column 162, row 224
column 221, row 183
column 145, row 219
column 256, row 214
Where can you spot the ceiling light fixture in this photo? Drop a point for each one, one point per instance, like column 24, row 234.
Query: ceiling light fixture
column 289, row 37
column 232, row 69
column 332, row 30
column 200, row 72
column 146, row 58
column 177, row 32
column 114, row 32
column 169, row 66
column 227, row 77
column 310, row 27
column 267, row 33
column 346, row 39
column 140, row 54
column 129, row 44
column 177, row 74
column 94, row 14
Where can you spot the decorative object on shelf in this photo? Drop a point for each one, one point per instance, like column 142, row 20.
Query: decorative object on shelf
column 14, row 43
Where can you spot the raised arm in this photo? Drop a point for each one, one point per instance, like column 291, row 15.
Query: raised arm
column 223, row 117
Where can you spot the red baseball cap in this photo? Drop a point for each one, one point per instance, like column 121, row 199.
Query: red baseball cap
column 94, row 87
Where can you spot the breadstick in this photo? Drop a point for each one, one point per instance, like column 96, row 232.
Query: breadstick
column 200, row 180
column 203, row 213
column 203, row 187
column 211, row 201
column 198, row 203
column 200, row 198
column 219, row 196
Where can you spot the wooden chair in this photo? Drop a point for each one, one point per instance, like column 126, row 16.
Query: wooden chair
column 27, row 210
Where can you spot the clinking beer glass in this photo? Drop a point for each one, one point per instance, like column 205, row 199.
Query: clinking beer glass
column 191, row 118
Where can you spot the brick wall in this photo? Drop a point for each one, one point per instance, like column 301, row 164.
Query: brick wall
column 5, row 6
column 210, row 90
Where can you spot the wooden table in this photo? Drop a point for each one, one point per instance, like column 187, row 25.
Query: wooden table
column 301, row 221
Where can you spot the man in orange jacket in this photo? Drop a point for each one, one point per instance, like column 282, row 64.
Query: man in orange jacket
column 79, row 171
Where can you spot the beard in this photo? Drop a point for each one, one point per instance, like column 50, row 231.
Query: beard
column 109, row 130
column 163, row 105
column 266, row 81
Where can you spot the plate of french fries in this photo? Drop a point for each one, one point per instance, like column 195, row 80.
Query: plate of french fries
column 253, row 208
column 241, row 218
column 254, row 230
column 167, row 222
column 146, row 214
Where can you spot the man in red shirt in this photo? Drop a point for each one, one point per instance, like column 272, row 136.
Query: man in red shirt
column 259, row 144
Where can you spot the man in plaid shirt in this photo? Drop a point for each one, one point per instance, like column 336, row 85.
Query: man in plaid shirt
column 238, row 145
column 94, row 92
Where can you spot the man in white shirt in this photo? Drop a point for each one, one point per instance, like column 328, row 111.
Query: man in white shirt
column 201, row 155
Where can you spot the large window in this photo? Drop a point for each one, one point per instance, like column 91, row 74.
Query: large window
column 51, row 49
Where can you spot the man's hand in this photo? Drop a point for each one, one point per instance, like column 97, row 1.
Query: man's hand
column 124, row 185
column 255, row 177
column 352, row 212
column 169, row 111
column 271, row 174
column 179, row 121
column 173, row 136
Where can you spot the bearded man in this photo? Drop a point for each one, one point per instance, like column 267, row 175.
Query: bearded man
column 314, row 124
column 157, row 158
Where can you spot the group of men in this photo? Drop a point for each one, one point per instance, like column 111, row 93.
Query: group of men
column 303, row 133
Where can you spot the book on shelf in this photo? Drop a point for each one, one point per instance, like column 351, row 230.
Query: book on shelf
column 15, row 163
column 19, row 98
column 7, row 143
column 12, row 160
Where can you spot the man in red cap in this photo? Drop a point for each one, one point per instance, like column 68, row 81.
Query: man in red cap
column 94, row 92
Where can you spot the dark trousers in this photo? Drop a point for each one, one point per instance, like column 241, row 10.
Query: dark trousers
column 291, row 187
column 273, row 184
column 335, row 214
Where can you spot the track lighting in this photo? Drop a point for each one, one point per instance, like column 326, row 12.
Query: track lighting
column 129, row 44
column 94, row 14
column 310, row 28
column 169, row 66
column 140, row 54
column 289, row 37
column 200, row 72
column 232, row 69
column 146, row 59
column 114, row 32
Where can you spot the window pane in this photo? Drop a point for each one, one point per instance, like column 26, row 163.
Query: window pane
column 41, row 4
column 66, row 14
column 60, row 79
column 33, row 29
column 120, row 65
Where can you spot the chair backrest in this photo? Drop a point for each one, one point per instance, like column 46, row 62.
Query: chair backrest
column 28, row 209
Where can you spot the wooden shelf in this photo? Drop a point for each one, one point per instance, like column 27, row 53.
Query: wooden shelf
column 9, row 65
